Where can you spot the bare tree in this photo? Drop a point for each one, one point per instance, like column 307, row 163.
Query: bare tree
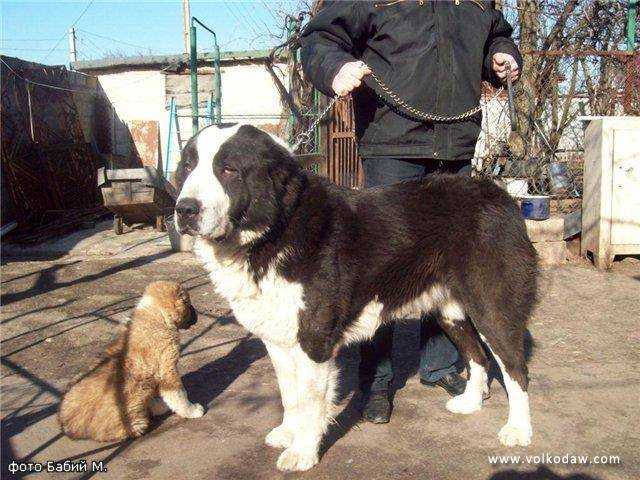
column 571, row 66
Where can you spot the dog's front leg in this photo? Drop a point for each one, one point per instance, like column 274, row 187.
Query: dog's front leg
column 284, row 365
column 175, row 396
column 315, row 384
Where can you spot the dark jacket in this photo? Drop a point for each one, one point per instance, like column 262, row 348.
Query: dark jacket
column 433, row 54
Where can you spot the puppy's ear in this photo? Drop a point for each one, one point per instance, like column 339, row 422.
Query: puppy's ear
column 172, row 316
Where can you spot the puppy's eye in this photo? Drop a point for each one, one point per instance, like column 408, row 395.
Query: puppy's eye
column 229, row 170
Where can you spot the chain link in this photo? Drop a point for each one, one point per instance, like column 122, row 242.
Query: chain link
column 430, row 117
column 305, row 136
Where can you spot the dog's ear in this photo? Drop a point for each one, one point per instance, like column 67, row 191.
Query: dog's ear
column 171, row 317
column 174, row 314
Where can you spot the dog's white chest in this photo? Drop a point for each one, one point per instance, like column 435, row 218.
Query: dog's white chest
column 269, row 309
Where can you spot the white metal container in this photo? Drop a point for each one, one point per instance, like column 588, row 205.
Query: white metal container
column 611, row 194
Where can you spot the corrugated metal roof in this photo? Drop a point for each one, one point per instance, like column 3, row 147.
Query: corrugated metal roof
column 161, row 61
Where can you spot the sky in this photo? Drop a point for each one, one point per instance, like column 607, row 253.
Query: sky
column 37, row 31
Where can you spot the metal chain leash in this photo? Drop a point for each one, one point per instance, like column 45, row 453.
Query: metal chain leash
column 430, row 117
column 305, row 136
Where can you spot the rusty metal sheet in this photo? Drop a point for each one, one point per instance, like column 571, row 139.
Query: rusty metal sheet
column 146, row 140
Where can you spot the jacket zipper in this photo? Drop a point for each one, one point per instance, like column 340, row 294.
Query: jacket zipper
column 382, row 5
column 477, row 3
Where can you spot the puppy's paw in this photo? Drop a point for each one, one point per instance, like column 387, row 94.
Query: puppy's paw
column 279, row 437
column 512, row 435
column 293, row 460
column 195, row 410
column 139, row 427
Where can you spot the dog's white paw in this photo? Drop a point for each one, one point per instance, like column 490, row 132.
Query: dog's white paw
column 195, row 410
column 139, row 427
column 512, row 435
column 292, row 460
column 464, row 404
column 279, row 437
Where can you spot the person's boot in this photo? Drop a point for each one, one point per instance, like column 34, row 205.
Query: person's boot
column 377, row 407
column 452, row 383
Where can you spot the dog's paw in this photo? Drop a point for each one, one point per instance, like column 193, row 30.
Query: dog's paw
column 139, row 427
column 195, row 410
column 464, row 404
column 279, row 437
column 512, row 435
column 292, row 460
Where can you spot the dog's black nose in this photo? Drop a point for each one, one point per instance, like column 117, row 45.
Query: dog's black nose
column 187, row 206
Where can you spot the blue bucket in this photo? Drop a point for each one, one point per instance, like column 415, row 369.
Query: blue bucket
column 535, row 207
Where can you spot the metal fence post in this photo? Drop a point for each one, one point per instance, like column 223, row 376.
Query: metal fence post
column 631, row 25
column 172, row 112
column 217, row 82
column 193, row 67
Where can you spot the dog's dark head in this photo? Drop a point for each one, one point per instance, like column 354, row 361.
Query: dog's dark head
column 233, row 180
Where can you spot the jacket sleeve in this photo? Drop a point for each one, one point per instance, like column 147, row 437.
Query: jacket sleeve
column 332, row 38
column 499, row 41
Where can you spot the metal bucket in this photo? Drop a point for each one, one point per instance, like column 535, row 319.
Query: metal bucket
column 535, row 207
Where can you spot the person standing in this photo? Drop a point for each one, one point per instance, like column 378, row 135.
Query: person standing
column 433, row 55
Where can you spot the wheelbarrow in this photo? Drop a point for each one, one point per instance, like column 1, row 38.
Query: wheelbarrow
column 136, row 195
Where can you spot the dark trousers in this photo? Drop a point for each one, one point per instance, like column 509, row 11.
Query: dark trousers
column 438, row 355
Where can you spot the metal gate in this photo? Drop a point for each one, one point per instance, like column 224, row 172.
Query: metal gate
column 344, row 164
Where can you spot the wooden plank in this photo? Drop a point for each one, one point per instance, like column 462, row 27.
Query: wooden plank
column 343, row 135
column 148, row 175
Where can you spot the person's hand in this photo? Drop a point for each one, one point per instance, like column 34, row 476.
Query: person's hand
column 499, row 66
column 349, row 77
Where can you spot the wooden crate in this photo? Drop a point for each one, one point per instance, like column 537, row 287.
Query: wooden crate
column 136, row 195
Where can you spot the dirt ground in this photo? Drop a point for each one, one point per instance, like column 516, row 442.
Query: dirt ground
column 58, row 315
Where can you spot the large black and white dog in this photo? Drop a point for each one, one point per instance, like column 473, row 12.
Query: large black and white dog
column 309, row 267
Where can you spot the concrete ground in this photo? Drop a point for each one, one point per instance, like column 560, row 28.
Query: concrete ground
column 57, row 315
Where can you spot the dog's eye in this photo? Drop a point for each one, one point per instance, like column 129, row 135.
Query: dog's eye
column 229, row 170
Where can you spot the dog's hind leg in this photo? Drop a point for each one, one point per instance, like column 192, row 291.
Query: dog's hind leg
column 510, row 358
column 316, row 384
column 453, row 321
column 284, row 365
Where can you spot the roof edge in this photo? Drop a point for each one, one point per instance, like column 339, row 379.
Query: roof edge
column 142, row 61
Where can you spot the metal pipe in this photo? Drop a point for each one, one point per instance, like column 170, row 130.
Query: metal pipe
column 217, row 79
column 193, row 67
column 172, row 108
column 631, row 25
column 217, row 82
